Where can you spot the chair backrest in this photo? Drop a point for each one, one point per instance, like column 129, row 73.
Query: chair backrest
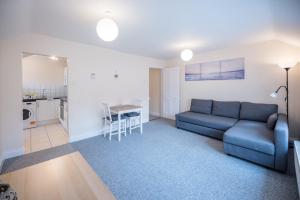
column 107, row 112
column 138, row 102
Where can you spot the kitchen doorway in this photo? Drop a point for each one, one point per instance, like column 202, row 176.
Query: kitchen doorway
column 45, row 101
column 155, row 96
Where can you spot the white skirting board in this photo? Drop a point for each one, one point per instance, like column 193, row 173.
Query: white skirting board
column 10, row 154
column 155, row 114
column 46, row 122
column 84, row 136
column 13, row 153
column 169, row 117
column 87, row 135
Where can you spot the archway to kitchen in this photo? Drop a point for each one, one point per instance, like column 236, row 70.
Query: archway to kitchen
column 45, row 101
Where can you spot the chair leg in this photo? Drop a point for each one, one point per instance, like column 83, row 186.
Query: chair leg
column 119, row 131
column 130, row 126
column 110, row 131
column 141, row 123
column 104, row 129
column 124, row 128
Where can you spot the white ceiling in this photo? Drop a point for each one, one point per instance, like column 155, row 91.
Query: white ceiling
column 162, row 28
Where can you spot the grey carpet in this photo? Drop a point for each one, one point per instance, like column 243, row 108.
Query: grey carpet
column 168, row 163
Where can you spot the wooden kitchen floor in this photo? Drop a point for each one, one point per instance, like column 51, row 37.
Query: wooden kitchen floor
column 44, row 137
column 62, row 178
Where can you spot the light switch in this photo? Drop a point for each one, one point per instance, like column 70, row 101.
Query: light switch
column 93, row 76
column 116, row 75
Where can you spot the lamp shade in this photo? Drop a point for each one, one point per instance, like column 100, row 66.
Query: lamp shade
column 274, row 94
column 107, row 29
column 287, row 65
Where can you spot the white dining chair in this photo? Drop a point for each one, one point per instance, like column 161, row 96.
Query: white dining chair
column 135, row 118
column 112, row 122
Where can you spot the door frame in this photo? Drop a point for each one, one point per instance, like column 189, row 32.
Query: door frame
column 164, row 114
column 161, row 91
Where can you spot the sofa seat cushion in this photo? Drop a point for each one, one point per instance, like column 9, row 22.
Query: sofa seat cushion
column 210, row 121
column 114, row 117
column 252, row 135
column 132, row 114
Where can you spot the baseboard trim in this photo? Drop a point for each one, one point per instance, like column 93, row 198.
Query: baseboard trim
column 12, row 153
column 84, row 136
column 169, row 117
column 156, row 114
column 88, row 135
column 46, row 122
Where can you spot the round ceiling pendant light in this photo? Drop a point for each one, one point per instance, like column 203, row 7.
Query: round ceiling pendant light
column 107, row 29
column 186, row 55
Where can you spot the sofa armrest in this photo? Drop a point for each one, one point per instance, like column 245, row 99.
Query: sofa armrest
column 281, row 141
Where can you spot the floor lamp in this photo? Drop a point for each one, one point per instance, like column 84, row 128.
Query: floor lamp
column 286, row 67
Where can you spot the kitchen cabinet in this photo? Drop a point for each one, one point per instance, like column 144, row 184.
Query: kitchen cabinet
column 47, row 109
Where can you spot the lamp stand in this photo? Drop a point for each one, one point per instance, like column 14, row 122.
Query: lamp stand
column 291, row 140
column 287, row 93
column 286, row 86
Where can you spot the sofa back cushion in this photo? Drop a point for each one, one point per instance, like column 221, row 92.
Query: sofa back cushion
column 201, row 106
column 271, row 122
column 226, row 109
column 257, row 112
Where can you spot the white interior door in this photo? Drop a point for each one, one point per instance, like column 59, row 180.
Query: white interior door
column 171, row 88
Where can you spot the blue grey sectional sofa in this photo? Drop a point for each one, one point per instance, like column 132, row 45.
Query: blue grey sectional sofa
column 254, row 132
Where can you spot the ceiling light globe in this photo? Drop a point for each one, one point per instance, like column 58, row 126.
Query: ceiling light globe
column 186, row 55
column 107, row 29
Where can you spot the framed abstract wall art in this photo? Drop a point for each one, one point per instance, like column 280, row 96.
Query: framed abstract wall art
column 217, row 70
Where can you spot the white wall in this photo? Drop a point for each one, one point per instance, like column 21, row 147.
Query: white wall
column 10, row 100
column 1, row 105
column 84, row 93
column 263, row 76
column 40, row 72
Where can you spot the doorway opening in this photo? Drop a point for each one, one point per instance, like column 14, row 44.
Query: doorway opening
column 155, row 96
column 45, row 101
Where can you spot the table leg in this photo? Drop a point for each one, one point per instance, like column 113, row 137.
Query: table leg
column 119, row 128
column 130, row 125
column 141, row 121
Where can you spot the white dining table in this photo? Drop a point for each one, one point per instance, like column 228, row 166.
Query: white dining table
column 127, row 108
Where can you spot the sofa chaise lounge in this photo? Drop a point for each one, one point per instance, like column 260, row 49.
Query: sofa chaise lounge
column 254, row 132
